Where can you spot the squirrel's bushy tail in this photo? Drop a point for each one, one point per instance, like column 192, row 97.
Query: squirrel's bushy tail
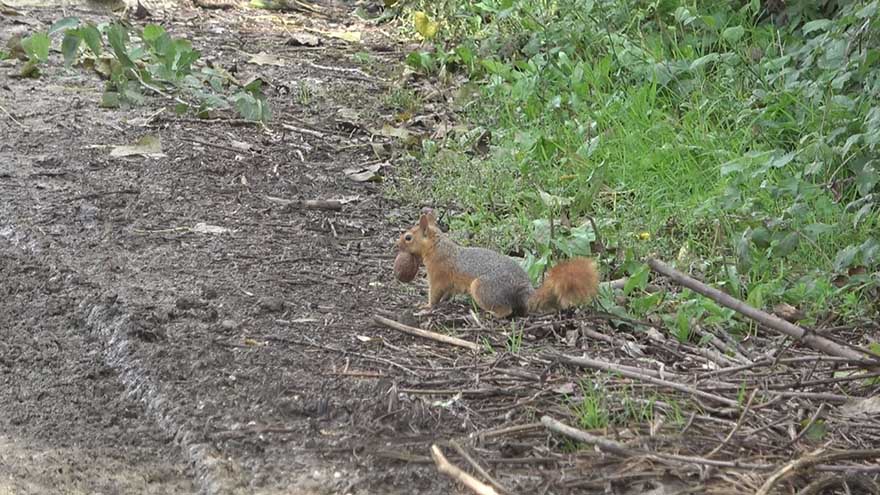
column 570, row 283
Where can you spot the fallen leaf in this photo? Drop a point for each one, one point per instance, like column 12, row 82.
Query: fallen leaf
column 264, row 58
column 363, row 338
column 348, row 117
column 869, row 407
column 303, row 39
column 350, row 36
column 367, row 173
column 425, row 26
column 395, row 132
column 240, row 145
column 203, row 228
column 564, row 389
column 788, row 312
column 148, row 145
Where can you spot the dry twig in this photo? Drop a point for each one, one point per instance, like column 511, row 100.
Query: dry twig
column 418, row 332
column 447, row 468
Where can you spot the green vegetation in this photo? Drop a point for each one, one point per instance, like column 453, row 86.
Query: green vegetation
column 598, row 408
column 134, row 61
column 739, row 142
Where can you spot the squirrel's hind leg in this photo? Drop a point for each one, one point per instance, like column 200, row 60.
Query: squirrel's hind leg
column 490, row 298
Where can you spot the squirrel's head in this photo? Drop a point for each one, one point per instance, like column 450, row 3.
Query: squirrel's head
column 419, row 239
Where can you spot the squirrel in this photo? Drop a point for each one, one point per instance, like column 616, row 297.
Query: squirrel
column 496, row 282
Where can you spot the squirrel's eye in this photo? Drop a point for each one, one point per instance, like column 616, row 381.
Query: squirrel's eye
column 407, row 237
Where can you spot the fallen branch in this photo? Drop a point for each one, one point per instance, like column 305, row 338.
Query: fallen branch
column 625, row 371
column 303, row 130
column 418, row 332
column 478, row 468
column 621, row 450
column 813, row 459
column 457, row 474
column 845, row 482
column 773, row 322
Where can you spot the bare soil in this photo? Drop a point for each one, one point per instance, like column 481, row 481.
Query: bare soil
column 140, row 356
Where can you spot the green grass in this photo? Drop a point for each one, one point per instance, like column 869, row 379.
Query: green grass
column 740, row 148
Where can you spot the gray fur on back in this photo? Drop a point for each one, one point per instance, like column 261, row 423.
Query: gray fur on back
column 481, row 262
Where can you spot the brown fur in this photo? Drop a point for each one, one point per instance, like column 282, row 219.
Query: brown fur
column 495, row 284
column 570, row 283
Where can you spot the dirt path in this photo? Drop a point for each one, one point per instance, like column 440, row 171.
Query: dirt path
column 140, row 356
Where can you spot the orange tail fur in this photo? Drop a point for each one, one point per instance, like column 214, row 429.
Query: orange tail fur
column 570, row 283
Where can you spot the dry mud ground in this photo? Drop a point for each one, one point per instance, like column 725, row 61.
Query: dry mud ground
column 140, row 356
column 142, row 353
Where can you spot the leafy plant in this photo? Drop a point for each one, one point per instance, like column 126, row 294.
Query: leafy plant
column 748, row 144
column 150, row 60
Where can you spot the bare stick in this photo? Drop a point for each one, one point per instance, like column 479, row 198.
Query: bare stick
column 457, row 474
column 620, row 283
column 736, row 427
column 610, row 367
column 811, row 459
column 13, row 118
column 619, row 449
column 418, row 332
column 773, row 322
column 303, row 130
column 485, row 474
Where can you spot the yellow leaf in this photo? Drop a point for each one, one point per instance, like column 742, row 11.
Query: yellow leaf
column 425, row 26
column 350, row 36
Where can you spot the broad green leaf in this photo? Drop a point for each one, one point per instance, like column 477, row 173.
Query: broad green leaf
column 867, row 178
column 110, row 99
column 781, row 161
column 733, row 34
column 786, row 244
column 845, row 258
column 37, row 46
column 251, row 108
column 117, row 35
column 863, row 211
column 65, row 23
column 541, row 231
column 705, row 59
column 816, row 432
column 761, row 237
column 638, row 280
column 814, row 230
column 152, row 32
column 70, row 46
column 552, row 201
column 92, row 38
column 817, row 25
column 867, row 11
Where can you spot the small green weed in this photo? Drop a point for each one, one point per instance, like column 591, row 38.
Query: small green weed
column 592, row 411
column 514, row 339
